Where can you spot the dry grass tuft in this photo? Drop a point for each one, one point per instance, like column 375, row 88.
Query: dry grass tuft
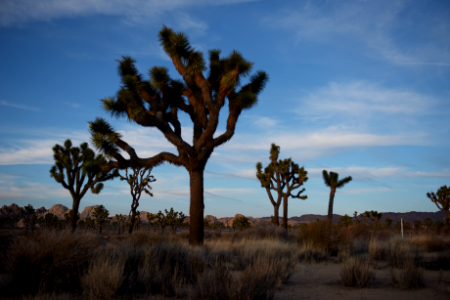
column 103, row 279
column 356, row 272
column 307, row 253
column 378, row 249
column 401, row 251
column 408, row 276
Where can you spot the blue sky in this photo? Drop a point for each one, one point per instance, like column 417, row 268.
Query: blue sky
column 356, row 87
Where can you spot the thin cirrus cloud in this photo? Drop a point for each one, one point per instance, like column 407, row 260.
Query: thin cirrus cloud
column 18, row 105
column 14, row 12
column 373, row 25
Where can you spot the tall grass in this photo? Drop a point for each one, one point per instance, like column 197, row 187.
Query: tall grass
column 357, row 272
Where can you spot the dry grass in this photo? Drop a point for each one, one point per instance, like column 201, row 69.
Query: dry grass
column 357, row 272
column 307, row 253
column 408, row 276
column 401, row 251
column 379, row 250
column 103, row 279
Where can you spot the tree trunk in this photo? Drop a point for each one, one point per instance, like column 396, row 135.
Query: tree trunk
column 197, row 207
column 133, row 219
column 276, row 219
column 447, row 220
column 74, row 214
column 330, row 205
column 285, row 212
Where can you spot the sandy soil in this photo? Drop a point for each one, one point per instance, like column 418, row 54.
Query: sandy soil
column 322, row 281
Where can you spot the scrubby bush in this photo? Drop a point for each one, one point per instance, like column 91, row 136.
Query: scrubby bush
column 408, row 275
column 356, row 272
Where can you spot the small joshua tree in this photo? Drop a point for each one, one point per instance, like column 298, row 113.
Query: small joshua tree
column 101, row 216
column 30, row 217
column 173, row 218
column 345, row 220
column 139, row 182
column 90, row 224
column 81, row 166
column 442, row 201
column 281, row 176
column 241, row 223
column 219, row 225
column 121, row 222
column 388, row 223
column 49, row 221
column 332, row 181
column 151, row 218
column 374, row 217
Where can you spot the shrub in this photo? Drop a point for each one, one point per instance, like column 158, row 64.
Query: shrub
column 307, row 253
column 323, row 235
column 401, row 250
column 49, row 261
column 378, row 250
column 409, row 276
column 356, row 272
column 103, row 279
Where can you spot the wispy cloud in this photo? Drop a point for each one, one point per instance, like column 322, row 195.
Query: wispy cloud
column 14, row 12
column 18, row 105
column 373, row 24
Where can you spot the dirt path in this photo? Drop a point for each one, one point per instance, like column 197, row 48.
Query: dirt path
column 322, row 281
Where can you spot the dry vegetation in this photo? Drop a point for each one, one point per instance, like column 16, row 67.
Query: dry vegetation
column 255, row 264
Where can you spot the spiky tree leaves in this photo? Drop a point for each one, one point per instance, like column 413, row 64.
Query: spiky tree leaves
column 332, row 181
column 101, row 216
column 157, row 102
column 442, row 200
column 139, row 181
column 77, row 169
column 281, row 176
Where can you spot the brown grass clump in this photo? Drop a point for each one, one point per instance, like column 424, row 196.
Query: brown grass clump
column 308, row 253
column 429, row 241
column 103, row 279
column 408, row 276
column 49, row 261
column 322, row 235
column 257, row 281
column 356, row 272
column 401, row 251
column 378, row 249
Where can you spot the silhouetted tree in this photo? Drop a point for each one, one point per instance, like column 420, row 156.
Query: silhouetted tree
column 121, row 222
column 428, row 223
column 442, row 201
column 156, row 103
column 345, row 220
column 281, row 176
column 241, row 223
column 332, row 181
column 139, row 181
column 388, row 223
column 30, row 217
column 151, row 218
column 73, row 166
column 101, row 216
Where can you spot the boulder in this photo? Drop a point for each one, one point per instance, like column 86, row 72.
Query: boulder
column 41, row 211
column 87, row 212
column 58, row 210
column 12, row 211
column 211, row 219
column 238, row 216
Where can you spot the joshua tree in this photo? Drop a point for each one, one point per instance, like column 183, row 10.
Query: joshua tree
column 374, row 217
column 121, row 221
column 442, row 200
column 345, row 220
column 157, row 102
column 79, row 165
column 50, row 221
column 388, row 223
column 101, row 215
column 219, row 225
column 332, row 180
column 30, row 217
column 139, row 181
column 278, row 176
column 428, row 223
column 172, row 218
column 241, row 223
column 151, row 218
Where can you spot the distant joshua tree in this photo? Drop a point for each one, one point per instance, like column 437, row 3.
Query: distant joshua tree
column 101, row 216
column 281, row 176
column 79, row 165
column 241, row 223
column 332, row 181
column 442, row 201
column 29, row 215
column 158, row 102
column 139, row 182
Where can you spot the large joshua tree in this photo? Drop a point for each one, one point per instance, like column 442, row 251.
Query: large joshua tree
column 442, row 200
column 77, row 166
column 157, row 102
column 139, row 181
column 281, row 176
column 332, row 181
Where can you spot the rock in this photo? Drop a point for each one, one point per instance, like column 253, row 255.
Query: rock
column 58, row 210
column 12, row 211
column 211, row 219
column 21, row 223
column 41, row 211
column 87, row 212
column 238, row 216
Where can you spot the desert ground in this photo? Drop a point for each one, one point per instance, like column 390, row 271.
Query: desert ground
column 313, row 262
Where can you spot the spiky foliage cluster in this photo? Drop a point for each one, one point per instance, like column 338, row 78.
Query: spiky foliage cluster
column 281, row 176
column 30, row 217
column 345, row 220
column 372, row 218
column 172, row 218
column 120, row 219
column 442, row 200
column 139, row 181
column 241, row 223
column 78, row 166
column 101, row 216
column 332, row 181
column 156, row 103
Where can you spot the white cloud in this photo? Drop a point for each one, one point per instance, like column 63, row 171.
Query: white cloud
column 373, row 24
column 20, row 106
column 14, row 12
